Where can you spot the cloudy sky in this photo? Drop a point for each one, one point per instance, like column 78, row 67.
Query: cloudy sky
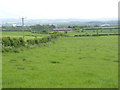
column 62, row 9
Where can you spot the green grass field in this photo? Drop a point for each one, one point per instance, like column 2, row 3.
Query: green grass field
column 90, row 32
column 70, row 62
column 27, row 35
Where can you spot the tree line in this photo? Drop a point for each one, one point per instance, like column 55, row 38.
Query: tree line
column 34, row 29
column 42, row 28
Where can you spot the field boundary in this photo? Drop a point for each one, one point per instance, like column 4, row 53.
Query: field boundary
column 96, row 35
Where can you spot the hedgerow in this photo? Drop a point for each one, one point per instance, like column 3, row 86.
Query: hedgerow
column 16, row 42
column 7, row 41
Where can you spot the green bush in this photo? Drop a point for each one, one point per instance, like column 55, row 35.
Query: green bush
column 44, row 40
column 36, row 41
column 28, row 42
column 31, row 42
column 6, row 41
column 54, row 36
column 21, row 41
column 49, row 38
column 65, row 32
column 15, row 42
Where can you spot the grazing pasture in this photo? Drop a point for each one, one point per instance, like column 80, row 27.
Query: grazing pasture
column 28, row 35
column 69, row 62
column 90, row 32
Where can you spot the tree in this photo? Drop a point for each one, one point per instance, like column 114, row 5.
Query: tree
column 96, row 26
column 65, row 31
column 69, row 27
column 42, row 28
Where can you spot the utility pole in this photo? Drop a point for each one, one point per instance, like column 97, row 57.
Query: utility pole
column 23, row 26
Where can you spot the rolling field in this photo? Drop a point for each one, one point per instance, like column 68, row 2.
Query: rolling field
column 70, row 62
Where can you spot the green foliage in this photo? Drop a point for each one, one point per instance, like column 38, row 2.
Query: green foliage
column 16, row 42
column 65, row 32
column 53, row 36
column 78, row 27
column 96, row 25
column 7, row 41
column 17, row 28
column 31, row 41
column 22, row 42
column 42, row 28
column 36, row 41
column 55, row 32
column 69, row 26
column 28, row 42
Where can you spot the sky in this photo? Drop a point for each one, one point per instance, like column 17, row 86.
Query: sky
column 59, row 9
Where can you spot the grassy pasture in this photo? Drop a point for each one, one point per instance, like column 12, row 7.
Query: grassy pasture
column 100, row 31
column 28, row 35
column 80, row 62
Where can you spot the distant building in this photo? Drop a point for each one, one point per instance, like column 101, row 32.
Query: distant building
column 14, row 25
column 104, row 25
column 62, row 29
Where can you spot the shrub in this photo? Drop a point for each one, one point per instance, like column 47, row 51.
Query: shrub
column 36, row 41
column 44, row 40
column 21, row 41
column 55, row 32
column 6, row 41
column 15, row 42
column 31, row 42
column 48, row 38
column 28, row 42
column 52, row 36
column 65, row 32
